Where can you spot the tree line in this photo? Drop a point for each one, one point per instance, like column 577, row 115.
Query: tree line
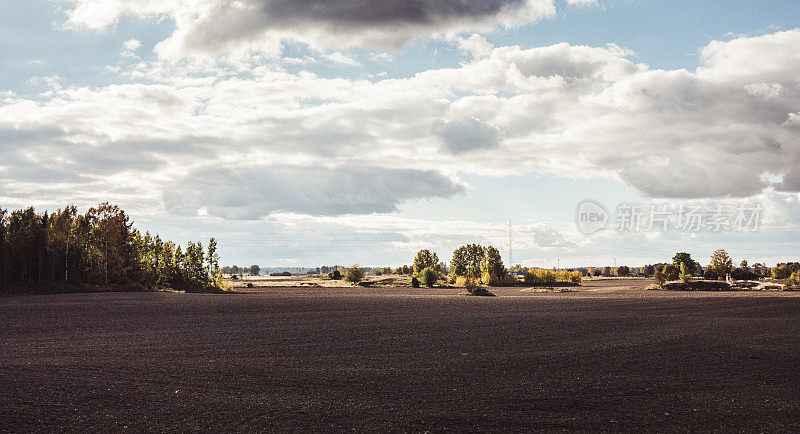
column 99, row 247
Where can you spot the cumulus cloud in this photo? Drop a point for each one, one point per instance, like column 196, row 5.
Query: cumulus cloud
column 258, row 191
column 129, row 48
column 467, row 134
column 728, row 129
column 216, row 26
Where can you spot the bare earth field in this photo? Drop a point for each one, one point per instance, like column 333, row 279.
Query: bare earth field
column 606, row 356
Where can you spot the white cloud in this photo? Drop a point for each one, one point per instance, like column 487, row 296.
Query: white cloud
column 129, row 48
column 211, row 27
column 338, row 57
column 582, row 3
column 466, row 134
column 251, row 192
column 561, row 109
column 476, row 45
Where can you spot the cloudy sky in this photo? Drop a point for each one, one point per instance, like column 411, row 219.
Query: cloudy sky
column 302, row 133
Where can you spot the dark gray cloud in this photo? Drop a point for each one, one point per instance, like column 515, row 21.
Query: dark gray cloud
column 255, row 192
column 465, row 135
column 791, row 181
column 221, row 26
column 369, row 13
column 685, row 179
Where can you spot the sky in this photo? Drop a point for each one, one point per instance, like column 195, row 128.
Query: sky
column 321, row 132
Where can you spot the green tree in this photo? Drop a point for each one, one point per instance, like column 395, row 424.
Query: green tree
column 782, row 271
column 425, row 259
column 468, row 261
column 670, row 271
column 684, row 258
column 493, row 265
column 255, row 270
column 721, row 264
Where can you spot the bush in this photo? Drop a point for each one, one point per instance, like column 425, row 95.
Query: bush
column 471, row 285
column 354, row 274
column 549, row 277
column 794, row 281
column 414, row 282
column 660, row 277
column 685, row 276
column 430, row 276
column 490, row 279
column 743, row 274
column 335, row 275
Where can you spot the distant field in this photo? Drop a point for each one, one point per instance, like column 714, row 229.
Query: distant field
column 605, row 356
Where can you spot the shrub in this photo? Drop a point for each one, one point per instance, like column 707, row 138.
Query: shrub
column 794, row 280
column 549, row 277
column 490, row 279
column 684, row 276
column 660, row 277
column 510, row 280
column 743, row 274
column 430, row 276
column 414, row 282
column 335, row 275
column 354, row 274
column 471, row 285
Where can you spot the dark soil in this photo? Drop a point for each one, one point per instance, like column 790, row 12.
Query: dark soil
column 606, row 356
